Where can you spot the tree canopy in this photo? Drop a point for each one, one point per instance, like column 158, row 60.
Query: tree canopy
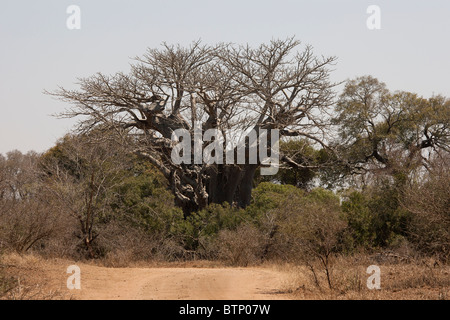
column 227, row 87
column 391, row 131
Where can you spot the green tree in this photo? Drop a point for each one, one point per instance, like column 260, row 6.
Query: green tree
column 375, row 216
column 359, row 218
column 390, row 132
column 389, row 138
column 301, row 164
column 144, row 200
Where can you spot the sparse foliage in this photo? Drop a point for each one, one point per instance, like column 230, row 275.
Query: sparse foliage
column 225, row 87
column 428, row 201
column 82, row 173
column 27, row 215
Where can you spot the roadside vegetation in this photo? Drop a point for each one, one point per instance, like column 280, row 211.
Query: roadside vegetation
column 376, row 193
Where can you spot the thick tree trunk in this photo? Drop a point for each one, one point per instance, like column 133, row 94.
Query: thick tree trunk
column 246, row 186
column 224, row 181
column 230, row 184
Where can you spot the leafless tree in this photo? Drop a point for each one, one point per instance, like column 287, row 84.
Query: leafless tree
column 224, row 87
column 27, row 214
column 427, row 198
column 82, row 174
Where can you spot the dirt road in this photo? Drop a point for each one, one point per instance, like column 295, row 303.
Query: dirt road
column 180, row 283
column 205, row 280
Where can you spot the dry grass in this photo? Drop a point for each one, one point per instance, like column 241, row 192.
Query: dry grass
column 32, row 277
column 120, row 262
column 241, row 247
column 26, row 277
column 417, row 280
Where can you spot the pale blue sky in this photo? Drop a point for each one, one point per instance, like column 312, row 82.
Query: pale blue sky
column 410, row 52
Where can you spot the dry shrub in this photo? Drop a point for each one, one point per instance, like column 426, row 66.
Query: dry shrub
column 168, row 249
column 428, row 202
column 21, row 278
column 122, row 245
column 64, row 243
column 7, row 282
column 349, row 273
column 311, row 229
column 421, row 279
column 24, row 291
column 28, row 215
column 417, row 276
column 29, row 223
column 310, row 280
column 240, row 247
column 399, row 280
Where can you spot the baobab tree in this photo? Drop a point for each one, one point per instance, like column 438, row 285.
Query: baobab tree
column 227, row 87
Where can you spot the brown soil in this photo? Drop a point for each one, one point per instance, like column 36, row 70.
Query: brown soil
column 179, row 283
column 151, row 283
column 206, row 280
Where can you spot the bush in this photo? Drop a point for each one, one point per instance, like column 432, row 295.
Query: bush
column 298, row 226
column 27, row 224
column 359, row 219
column 28, row 215
column 240, row 247
column 428, row 203
column 7, row 283
column 315, row 224
column 200, row 229
column 267, row 196
column 375, row 217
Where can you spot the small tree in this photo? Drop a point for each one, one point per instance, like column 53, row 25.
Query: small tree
column 82, row 173
column 312, row 225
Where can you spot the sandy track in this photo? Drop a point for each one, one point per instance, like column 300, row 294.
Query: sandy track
column 180, row 284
